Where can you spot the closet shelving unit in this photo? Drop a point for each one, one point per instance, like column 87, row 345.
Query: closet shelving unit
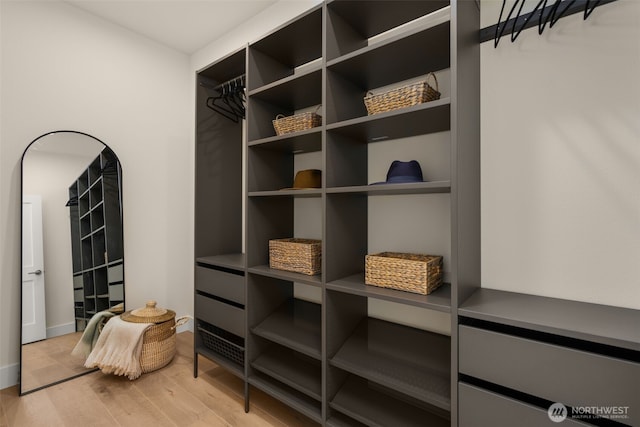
column 286, row 76
column 96, row 238
column 220, row 261
column 316, row 342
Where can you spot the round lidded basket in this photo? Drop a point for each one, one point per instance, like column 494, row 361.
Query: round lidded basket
column 159, row 340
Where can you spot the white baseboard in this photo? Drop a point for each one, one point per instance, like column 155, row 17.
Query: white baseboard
column 56, row 331
column 9, row 375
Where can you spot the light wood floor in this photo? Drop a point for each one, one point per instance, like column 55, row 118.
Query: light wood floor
column 47, row 361
column 167, row 397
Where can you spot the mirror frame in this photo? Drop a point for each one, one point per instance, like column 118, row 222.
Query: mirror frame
column 22, row 392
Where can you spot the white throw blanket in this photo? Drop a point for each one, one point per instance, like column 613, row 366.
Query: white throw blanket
column 90, row 335
column 118, row 348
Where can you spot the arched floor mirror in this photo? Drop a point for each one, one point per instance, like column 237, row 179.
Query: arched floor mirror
column 72, row 251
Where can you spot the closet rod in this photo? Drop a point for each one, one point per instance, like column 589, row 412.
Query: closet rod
column 488, row 33
column 209, row 83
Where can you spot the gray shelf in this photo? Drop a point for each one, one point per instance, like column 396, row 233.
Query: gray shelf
column 439, row 300
column 363, row 402
column 370, row 18
column 233, row 261
column 227, row 68
column 287, row 193
column 291, row 369
column 295, row 325
column 421, row 119
column 293, row 92
column 306, row 141
column 396, row 58
column 287, row 395
column 339, row 420
column 408, row 360
column 277, row 54
column 603, row 324
column 387, row 189
column 264, row 270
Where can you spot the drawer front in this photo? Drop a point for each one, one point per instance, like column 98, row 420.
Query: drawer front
column 478, row 407
column 77, row 282
column 116, row 292
column 559, row 374
column 222, row 315
column 115, row 273
column 224, row 285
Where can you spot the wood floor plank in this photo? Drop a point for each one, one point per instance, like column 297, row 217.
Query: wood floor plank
column 126, row 403
column 174, row 401
column 228, row 406
column 33, row 410
column 167, row 397
column 4, row 421
column 77, row 405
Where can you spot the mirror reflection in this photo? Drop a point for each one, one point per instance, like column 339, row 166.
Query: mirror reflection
column 72, row 252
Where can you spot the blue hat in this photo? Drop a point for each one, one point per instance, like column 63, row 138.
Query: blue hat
column 403, row 172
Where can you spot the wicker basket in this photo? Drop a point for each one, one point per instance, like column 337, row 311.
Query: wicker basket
column 222, row 342
column 405, row 96
column 159, row 340
column 296, row 123
column 298, row 255
column 420, row 274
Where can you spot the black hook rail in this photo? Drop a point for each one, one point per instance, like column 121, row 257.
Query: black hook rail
column 542, row 15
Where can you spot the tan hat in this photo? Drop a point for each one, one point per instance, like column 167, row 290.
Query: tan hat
column 306, row 179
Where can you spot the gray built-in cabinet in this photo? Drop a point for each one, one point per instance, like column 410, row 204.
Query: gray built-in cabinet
column 314, row 342
column 96, row 238
column 338, row 351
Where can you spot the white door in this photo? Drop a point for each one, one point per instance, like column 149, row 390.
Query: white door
column 34, row 326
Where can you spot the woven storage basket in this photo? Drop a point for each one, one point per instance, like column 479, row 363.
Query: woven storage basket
column 420, row 274
column 405, row 96
column 296, row 123
column 222, row 342
column 298, row 255
column 159, row 340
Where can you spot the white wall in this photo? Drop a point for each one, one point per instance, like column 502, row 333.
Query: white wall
column 561, row 157
column 65, row 69
column 250, row 31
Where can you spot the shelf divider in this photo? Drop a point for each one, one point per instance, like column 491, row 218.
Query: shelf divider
column 296, row 325
column 408, row 360
column 363, row 402
column 265, row 270
column 292, row 370
column 439, row 300
column 287, row 395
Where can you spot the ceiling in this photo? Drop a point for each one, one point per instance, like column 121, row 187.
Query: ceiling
column 185, row 25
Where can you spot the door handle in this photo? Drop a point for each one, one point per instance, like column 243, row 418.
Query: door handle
column 37, row 272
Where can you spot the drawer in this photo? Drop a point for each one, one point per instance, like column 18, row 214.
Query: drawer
column 219, row 283
column 219, row 314
column 115, row 273
column 558, row 374
column 77, row 282
column 116, row 292
column 478, row 407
